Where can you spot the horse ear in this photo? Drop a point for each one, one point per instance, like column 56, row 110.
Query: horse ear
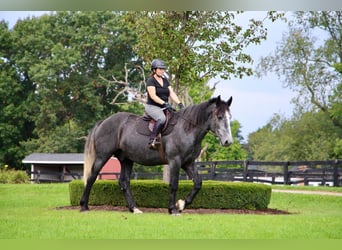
column 229, row 102
column 218, row 100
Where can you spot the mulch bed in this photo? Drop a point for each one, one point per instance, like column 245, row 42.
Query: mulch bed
column 186, row 211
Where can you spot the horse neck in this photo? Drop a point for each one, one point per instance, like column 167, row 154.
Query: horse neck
column 196, row 120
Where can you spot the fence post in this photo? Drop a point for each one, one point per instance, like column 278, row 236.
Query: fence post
column 335, row 173
column 286, row 173
column 38, row 176
column 213, row 170
column 245, row 170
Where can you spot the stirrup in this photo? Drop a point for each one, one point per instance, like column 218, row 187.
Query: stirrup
column 154, row 143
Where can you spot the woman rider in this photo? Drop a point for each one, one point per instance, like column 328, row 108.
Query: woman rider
column 158, row 92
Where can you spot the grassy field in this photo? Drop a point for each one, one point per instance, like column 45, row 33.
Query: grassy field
column 28, row 211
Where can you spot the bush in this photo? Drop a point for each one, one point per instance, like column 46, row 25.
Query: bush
column 155, row 193
column 13, row 176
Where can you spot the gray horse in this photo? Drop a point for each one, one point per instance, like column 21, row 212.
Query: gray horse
column 117, row 135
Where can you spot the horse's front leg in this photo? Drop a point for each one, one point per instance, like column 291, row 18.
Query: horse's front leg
column 173, row 187
column 124, row 181
column 192, row 172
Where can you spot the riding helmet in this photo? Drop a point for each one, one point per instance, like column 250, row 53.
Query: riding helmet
column 158, row 64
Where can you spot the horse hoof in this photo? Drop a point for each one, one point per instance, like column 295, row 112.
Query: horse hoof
column 176, row 214
column 84, row 209
column 137, row 211
column 180, row 205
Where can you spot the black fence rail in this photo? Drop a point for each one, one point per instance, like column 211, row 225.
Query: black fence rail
column 325, row 173
column 287, row 173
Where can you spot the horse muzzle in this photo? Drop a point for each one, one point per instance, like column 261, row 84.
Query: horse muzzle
column 226, row 142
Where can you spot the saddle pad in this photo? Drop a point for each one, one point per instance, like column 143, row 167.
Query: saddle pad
column 142, row 126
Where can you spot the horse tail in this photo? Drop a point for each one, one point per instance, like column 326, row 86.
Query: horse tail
column 89, row 154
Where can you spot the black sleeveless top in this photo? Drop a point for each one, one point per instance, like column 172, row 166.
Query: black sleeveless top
column 162, row 92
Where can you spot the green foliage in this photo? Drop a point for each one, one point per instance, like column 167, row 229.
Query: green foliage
column 310, row 137
column 35, row 211
column 49, row 81
column 155, row 194
column 13, row 176
column 15, row 122
column 197, row 45
column 53, row 69
column 214, row 151
column 338, row 149
column 310, row 66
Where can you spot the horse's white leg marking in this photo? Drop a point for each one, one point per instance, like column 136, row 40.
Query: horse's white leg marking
column 180, row 204
column 137, row 211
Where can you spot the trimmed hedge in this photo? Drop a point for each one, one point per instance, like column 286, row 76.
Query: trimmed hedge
column 155, row 193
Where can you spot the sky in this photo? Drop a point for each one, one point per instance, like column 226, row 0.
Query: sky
column 255, row 100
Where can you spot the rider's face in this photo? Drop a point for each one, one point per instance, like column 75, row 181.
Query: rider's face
column 160, row 72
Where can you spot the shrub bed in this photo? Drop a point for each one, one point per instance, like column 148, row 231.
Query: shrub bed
column 13, row 176
column 152, row 193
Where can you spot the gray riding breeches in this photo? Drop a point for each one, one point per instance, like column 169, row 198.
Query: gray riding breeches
column 155, row 112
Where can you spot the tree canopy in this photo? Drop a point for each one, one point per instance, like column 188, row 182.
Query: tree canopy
column 311, row 67
column 197, row 45
column 51, row 66
column 64, row 71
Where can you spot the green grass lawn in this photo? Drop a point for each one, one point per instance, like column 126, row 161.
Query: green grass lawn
column 27, row 211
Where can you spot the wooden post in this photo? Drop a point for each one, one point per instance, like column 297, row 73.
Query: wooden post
column 245, row 170
column 335, row 173
column 286, row 173
column 63, row 173
column 213, row 170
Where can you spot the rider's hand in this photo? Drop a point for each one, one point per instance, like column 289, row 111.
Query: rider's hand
column 167, row 106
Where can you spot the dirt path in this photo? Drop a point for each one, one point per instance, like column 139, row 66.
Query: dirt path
column 306, row 192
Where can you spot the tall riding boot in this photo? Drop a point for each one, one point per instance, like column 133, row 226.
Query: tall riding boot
column 153, row 142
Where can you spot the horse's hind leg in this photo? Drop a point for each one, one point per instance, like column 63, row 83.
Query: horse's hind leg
column 124, row 181
column 97, row 166
column 192, row 172
column 85, row 197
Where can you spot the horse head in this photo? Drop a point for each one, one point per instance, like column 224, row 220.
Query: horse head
column 220, row 124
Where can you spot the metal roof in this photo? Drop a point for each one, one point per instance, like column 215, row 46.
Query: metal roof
column 54, row 158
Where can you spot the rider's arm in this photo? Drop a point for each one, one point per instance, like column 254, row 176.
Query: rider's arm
column 153, row 95
column 173, row 96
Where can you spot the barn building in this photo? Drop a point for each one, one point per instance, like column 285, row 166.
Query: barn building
column 65, row 167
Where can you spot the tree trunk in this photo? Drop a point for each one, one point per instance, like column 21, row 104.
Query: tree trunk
column 166, row 174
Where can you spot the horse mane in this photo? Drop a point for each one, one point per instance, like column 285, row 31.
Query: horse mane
column 196, row 115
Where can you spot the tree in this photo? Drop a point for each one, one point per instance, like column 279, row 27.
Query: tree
column 308, row 137
column 197, row 45
column 57, row 69
column 16, row 97
column 311, row 69
column 212, row 150
column 51, row 67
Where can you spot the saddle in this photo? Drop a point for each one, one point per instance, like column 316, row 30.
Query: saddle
column 145, row 124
